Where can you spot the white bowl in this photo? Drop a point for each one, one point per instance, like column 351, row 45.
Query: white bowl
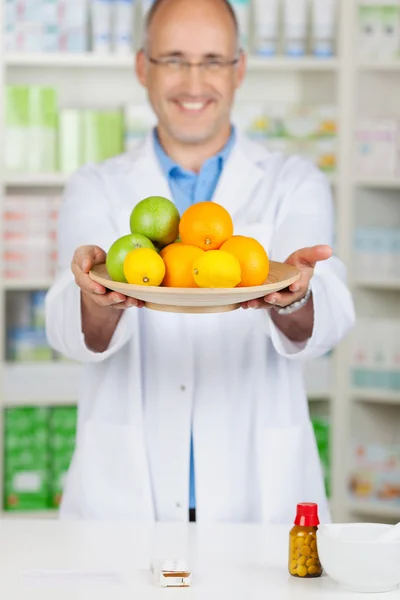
column 350, row 556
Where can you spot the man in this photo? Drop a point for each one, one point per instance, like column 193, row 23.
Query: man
column 196, row 416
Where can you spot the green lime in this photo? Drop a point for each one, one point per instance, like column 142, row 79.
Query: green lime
column 157, row 218
column 118, row 251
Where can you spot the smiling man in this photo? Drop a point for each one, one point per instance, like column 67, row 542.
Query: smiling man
column 196, row 416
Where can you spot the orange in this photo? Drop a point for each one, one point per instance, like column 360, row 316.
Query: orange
column 166, row 249
column 178, row 266
column 206, row 225
column 252, row 257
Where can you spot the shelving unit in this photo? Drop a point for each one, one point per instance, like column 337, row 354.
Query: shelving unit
column 379, row 67
column 92, row 61
column 374, row 511
column 91, row 80
column 378, row 184
column 379, row 284
column 2, row 290
column 384, row 397
column 30, row 180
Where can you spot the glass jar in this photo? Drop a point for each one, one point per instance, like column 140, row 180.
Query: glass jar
column 303, row 552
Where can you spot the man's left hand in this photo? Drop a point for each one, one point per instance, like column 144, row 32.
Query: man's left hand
column 304, row 260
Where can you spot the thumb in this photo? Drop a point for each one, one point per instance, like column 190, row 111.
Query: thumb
column 93, row 256
column 309, row 256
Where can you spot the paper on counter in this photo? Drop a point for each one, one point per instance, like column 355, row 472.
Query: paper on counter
column 68, row 577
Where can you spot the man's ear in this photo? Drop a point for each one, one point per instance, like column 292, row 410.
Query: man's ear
column 241, row 69
column 141, row 67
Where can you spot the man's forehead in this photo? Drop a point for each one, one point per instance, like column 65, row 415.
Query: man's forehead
column 191, row 45
column 189, row 28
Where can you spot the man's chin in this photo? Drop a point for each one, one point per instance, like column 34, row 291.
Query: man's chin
column 191, row 137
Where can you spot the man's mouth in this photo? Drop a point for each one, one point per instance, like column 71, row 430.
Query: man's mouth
column 192, row 107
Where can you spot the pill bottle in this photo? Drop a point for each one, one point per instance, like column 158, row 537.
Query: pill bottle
column 303, row 553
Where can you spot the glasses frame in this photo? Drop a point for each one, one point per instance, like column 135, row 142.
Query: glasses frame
column 185, row 65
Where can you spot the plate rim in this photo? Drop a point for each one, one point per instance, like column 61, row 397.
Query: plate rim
column 195, row 291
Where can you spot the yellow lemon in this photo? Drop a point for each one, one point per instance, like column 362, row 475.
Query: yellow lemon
column 144, row 266
column 217, row 269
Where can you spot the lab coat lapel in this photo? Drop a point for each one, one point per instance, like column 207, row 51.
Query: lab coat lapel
column 147, row 176
column 238, row 182
column 239, row 179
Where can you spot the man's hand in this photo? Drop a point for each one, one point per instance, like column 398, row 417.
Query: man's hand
column 85, row 258
column 99, row 317
column 304, row 260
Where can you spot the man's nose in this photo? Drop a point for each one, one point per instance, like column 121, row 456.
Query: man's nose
column 194, row 79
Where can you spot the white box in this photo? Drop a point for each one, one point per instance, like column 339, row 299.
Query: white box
column 376, row 146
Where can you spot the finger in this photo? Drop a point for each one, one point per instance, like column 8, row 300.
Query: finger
column 254, row 304
column 309, row 256
column 85, row 282
column 302, row 283
column 88, row 256
column 130, row 302
column 109, row 299
column 283, row 298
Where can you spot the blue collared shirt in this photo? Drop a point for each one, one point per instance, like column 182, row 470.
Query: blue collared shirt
column 188, row 188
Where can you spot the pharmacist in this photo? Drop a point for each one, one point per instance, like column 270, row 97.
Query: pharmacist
column 196, row 416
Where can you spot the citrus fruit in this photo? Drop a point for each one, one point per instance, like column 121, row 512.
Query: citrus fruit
column 118, row 251
column 157, row 218
column 252, row 257
column 166, row 249
column 206, row 225
column 179, row 265
column 144, row 267
column 216, row 269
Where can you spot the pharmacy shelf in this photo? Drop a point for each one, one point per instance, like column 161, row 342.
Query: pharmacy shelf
column 376, row 396
column 28, row 180
column 40, row 383
column 28, row 285
column 377, row 509
column 376, row 284
column 378, row 183
column 316, row 395
column 90, row 61
column 29, row 514
column 53, row 180
column 379, row 66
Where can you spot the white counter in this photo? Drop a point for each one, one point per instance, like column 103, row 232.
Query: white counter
column 228, row 562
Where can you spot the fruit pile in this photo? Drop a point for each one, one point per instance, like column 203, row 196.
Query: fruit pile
column 198, row 249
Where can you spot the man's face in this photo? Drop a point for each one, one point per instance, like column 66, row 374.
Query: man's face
column 192, row 104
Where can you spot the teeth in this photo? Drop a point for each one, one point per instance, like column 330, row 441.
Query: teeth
column 193, row 105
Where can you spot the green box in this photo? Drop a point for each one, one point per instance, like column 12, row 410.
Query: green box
column 322, row 437
column 26, row 453
column 102, row 135
column 62, row 434
column 70, row 147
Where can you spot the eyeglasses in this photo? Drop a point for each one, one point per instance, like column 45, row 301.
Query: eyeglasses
column 177, row 64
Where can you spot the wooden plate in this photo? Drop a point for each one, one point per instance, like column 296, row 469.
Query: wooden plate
column 199, row 300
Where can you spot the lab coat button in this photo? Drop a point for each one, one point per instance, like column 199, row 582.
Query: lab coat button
column 183, row 388
column 178, row 505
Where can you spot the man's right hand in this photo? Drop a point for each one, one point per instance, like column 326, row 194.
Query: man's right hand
column 85, row 258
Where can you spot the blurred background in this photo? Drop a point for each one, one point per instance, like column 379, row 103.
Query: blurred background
column 324, row 82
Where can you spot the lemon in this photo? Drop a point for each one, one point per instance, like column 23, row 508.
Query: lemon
column 144, row 266
column 217, row 269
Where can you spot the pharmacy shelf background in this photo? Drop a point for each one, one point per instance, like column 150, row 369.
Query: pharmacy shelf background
column 294, row 104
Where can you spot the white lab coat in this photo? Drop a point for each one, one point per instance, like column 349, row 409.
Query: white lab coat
column 234, row 377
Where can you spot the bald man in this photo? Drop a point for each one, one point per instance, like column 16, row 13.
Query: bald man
column 196, row 417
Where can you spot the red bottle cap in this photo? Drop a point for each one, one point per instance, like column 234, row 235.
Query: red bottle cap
column 307, row 515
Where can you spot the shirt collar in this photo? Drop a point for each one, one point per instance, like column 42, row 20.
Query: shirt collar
column 169, row 165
